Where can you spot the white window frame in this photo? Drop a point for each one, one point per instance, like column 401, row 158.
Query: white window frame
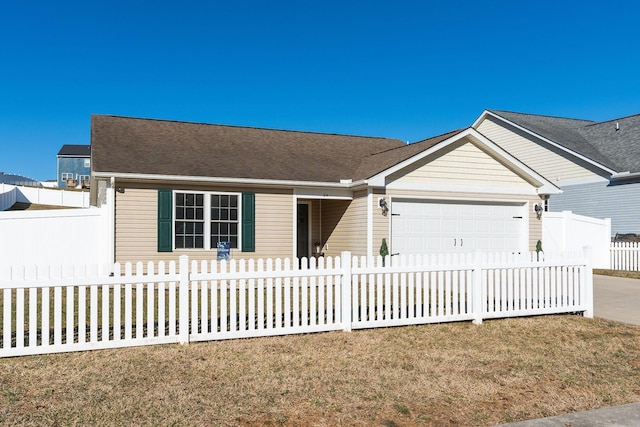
column 87, row 163
column 207, row 219
column 67, row 175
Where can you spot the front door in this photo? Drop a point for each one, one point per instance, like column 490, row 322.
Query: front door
column 302, row 231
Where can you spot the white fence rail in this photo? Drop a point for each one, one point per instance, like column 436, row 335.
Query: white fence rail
column 59, row 236
column 45, row 196
column 566, row 231
column 46, row 310
column 625, row 256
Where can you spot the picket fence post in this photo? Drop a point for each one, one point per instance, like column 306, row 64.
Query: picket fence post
column 183, row 303
column 477, row 288
column 346, row 290
column 587, row 279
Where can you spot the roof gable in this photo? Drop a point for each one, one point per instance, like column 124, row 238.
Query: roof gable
column 614, row 145
column 436, row 147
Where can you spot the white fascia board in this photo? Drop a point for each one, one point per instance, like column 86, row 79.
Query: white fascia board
column 234, row 181
column 480, row 119
column 542, row 138
column 323, row 193
column 544, row 185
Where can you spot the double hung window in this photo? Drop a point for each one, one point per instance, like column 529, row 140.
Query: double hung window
column 202, row 220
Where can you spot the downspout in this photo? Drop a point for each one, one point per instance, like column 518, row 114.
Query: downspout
column 320, row 226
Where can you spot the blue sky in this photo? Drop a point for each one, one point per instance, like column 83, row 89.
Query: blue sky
column 402, row 69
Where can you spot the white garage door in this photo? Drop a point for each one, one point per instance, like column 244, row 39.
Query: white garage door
column 419, row 227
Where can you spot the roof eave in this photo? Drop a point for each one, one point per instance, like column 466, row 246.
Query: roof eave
column 344, row 184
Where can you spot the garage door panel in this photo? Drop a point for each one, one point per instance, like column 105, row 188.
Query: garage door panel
column 432, row 226
column 466, row 225
column 449, row 225
column 416, row 225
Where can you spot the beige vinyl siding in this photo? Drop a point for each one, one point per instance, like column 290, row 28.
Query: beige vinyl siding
column 463, row 163
column 344, row 225
column 136, row 226
column 535, row 225
column 380, row 223
column 540, row 156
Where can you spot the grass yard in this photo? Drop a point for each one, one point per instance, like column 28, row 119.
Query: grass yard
column 446, row 374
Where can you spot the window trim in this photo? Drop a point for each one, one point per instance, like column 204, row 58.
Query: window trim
column 207, row 218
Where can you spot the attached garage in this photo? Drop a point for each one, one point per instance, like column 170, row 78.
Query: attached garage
column 422, row 226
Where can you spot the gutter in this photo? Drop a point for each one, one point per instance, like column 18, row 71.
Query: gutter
column 619, row 176
column 343, row 184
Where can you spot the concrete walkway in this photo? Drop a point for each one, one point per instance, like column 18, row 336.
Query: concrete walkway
column 615, row 416
column 618, row 299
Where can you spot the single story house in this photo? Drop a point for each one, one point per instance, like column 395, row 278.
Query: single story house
column 182, row 188
column 595, row 164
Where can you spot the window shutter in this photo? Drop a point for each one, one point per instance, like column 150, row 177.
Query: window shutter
column 248, row 222
column 165, row 210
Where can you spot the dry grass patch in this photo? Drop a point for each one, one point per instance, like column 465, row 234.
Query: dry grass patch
column 447, row 374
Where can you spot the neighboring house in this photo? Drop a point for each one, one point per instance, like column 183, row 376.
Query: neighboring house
column 596, row 164
column 74, row 166
column 181, row 188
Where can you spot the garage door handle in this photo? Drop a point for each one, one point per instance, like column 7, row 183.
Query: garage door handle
column 454, row 242
column 461, row 243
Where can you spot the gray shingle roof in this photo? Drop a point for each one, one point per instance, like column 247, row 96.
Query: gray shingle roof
column 75, row 150
column 159, row 147
column 599, row 141
column 622, row 146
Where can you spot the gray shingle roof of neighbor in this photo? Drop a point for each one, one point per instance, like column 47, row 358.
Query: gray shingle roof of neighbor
column 618, row 150
column 75, row 150
column 619, row 139
column 161, row 147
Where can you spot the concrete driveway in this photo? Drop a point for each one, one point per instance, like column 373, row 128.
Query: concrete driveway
column 616, row 298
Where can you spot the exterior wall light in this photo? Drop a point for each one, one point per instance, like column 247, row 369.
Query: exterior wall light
column 538, row 208
column 382, row 202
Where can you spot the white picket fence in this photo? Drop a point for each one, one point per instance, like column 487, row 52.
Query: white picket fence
column 625, row 256
column 48, row 310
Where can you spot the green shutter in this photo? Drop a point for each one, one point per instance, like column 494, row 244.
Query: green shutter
column 165, row 210
column 248, row 222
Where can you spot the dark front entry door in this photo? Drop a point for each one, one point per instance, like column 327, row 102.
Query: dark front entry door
column 303, row 231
